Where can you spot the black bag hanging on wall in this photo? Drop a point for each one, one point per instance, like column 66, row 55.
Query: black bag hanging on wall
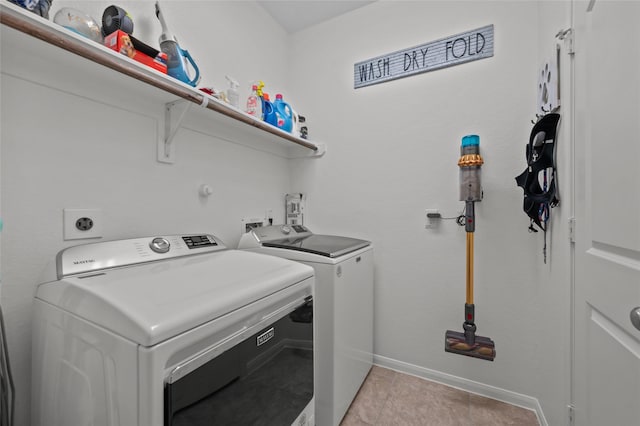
column 539, row 178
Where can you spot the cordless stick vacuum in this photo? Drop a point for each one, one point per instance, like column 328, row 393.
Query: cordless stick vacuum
column 467, row 343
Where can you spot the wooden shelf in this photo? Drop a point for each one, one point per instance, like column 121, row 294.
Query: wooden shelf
column 31, row 45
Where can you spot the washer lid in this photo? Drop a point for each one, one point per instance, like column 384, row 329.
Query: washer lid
column 152, row 302
column 323, row 245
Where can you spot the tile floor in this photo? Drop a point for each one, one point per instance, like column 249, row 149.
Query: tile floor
column 390, row 398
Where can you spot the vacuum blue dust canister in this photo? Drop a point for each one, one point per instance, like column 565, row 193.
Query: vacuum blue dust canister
column 268, row 110
column 284, row 114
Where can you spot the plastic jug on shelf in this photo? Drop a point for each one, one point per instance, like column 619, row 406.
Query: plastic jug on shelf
column 284, row 114
column 268, row 110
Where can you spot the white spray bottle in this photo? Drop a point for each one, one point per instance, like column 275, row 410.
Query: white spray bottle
column 232, row 92
column 254, row 103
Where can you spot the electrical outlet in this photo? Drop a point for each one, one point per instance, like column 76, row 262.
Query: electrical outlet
column 79, row 224
column 431, row 218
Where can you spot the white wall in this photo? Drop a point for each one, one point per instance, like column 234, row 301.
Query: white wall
column 96, row 149
column 393, row 151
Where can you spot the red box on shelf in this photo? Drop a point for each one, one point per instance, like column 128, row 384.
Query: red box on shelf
column 137, row 50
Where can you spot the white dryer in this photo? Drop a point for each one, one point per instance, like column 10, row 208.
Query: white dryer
column 173, row 330
column 343, row 308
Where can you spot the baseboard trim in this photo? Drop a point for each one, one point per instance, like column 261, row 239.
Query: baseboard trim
column 513, row 398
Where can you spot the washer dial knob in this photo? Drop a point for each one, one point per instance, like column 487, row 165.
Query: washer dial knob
column 286, row 229
column 160, row 245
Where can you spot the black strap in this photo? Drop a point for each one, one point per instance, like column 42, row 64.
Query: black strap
column 538, row 180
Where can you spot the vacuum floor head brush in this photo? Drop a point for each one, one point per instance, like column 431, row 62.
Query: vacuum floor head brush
column 467, row 342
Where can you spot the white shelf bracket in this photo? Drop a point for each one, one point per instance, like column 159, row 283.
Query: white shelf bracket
column 172, row 122
column 322, row 149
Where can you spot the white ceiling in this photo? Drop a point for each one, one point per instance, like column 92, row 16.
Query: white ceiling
column 295, row 15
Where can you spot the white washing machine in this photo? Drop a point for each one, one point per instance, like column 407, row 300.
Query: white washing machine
column 343, row 308
column 173, row 330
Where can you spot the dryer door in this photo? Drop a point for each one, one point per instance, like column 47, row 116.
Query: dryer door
column 265, row 379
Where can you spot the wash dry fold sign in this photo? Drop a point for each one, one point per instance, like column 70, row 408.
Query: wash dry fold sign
column 446, row 52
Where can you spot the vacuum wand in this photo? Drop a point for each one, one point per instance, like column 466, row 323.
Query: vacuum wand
column 468, row 343
column 469, row 325
column 166, row 35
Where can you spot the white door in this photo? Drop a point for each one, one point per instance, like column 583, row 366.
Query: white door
column 606, row 383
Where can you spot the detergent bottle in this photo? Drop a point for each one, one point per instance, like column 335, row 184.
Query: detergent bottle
column 254, row 103
column 284, row 114
column 268, row 110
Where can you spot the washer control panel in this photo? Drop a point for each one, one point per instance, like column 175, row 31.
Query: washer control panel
column 112, row 254
column 199, row 241
column 276, row 232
